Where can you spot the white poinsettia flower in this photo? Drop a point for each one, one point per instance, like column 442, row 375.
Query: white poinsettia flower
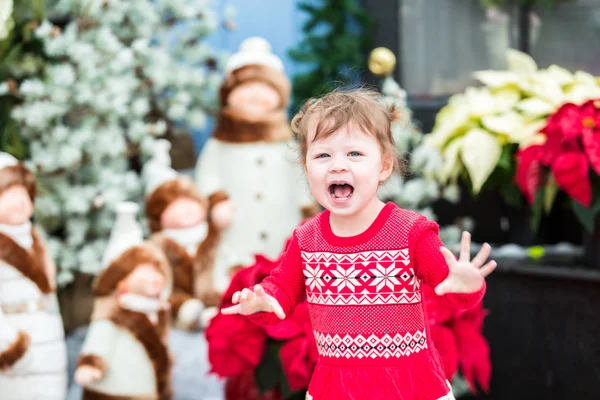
column 559, row 75
column 529, row 131
column 520, row 63
column 480, row 152
column 507, row 123
column 452, row 165
column 582, row 77
column 452, row 120
column 543, row 86
column 498, row 79
column 480, row 101
column 505, row 99
column 538, row 138
column 534, row 107
column 580, row 93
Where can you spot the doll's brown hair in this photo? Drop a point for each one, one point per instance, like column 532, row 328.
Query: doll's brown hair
column 335, row 110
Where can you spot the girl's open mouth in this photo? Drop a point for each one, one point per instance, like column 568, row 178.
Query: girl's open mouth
column 341, row 192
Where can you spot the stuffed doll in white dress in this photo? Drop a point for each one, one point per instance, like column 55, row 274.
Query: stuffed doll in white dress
column 187, row 226
column 33, row 355
column 251, row 158
column 125, row 355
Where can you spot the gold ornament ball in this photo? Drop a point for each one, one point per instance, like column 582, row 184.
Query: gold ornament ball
column 382, row 61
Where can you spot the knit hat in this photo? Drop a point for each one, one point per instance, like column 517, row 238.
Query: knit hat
column 12, row 172
column 252, row 51
column 255, row 62
column 164, row 185
column 126, row 249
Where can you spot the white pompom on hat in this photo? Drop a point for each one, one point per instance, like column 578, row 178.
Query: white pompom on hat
column 7, row 160
column 252, row 51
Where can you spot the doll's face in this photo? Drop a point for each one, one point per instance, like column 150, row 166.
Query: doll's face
column 254, row 99
column 145, row 280
column 182, row 213
column 16, row 206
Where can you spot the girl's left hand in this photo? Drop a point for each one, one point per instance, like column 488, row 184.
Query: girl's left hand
column 465, row 276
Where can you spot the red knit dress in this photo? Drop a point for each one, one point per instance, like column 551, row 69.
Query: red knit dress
column 364, row 295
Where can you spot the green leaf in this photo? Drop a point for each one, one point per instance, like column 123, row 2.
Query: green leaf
column 551, row 192
column 586, row 216
column 269, row 372
column 538, row 207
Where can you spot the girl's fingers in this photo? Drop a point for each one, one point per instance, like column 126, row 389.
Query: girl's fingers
column 448, row 256
column 236, row 297
column 483, row 254
column 277, row 310
column 259, row 291
column 245, row 295
column 444, row 287
column 488, row 268
column 231, row 310
column 465, row 247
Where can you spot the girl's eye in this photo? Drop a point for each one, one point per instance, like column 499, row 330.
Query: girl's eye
column 354, row 154
column 323, row 155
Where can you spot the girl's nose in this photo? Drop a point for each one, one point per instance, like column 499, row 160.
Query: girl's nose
column 338, row 165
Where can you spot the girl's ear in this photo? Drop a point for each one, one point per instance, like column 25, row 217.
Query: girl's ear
column 387, row 166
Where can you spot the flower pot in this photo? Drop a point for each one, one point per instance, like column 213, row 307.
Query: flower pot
column 243, row 387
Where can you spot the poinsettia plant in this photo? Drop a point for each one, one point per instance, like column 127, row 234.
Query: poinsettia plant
column 271, row 363
column 480, row 131
column 568, row 159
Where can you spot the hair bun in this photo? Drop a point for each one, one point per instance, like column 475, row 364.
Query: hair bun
column 295, row 124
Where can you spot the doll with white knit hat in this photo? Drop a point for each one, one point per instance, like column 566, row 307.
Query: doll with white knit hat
column 250, row 158
column 125, row 355
column 187, row 226
column 33, row 356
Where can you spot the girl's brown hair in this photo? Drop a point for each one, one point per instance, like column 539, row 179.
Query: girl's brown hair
column 335, row 110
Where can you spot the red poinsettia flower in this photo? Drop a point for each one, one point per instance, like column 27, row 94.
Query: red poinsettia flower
column 474, row 358
column 458, row 337
column 234, row 344
column 572, row 146
column 529, row 171
column 571, row 172
column 299, row 350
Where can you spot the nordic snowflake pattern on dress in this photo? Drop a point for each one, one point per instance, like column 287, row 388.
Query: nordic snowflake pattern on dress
column 374, row 346
column 365, row 278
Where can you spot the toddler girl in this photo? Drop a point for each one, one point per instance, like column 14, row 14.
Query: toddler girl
column 361, row 263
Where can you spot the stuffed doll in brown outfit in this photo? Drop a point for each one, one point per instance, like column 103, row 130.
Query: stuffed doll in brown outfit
column 187, row 227
column 125, row 355
column 33, row 354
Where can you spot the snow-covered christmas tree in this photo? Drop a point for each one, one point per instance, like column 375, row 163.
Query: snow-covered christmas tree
column 417, row 188
column 125, row 76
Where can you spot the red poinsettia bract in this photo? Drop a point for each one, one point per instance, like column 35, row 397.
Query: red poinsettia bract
column 458, row 338
column 299, row 350
column 572, row 146
column 235, row 344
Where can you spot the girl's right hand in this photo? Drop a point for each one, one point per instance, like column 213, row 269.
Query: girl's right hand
column 249, row 302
